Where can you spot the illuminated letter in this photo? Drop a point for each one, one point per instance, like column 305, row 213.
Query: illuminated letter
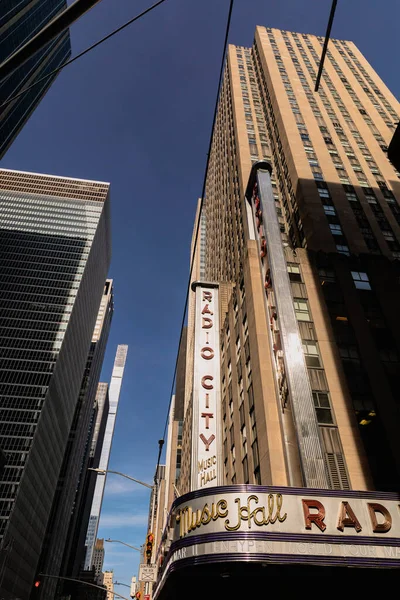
column 347, row 518
column 317, row 518
column 209, row 355
column 206, row 311
column 373, row 508
column 207, row 296
column 206, row 323
column 208, row 442
column 204, row 384
column 207, row 417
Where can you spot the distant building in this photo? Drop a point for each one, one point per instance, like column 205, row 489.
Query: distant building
column 96, row 411
column 65, row 521
column 114, row 393
column 98, row 559
column 19, row 22
column 108, row 581
column 55, row 254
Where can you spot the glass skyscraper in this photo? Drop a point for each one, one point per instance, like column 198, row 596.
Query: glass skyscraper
column 61, row 543
column 114, row 392
column 54, row 257
column 19, row 22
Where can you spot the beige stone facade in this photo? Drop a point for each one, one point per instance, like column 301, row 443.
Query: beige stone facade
column 337, row 205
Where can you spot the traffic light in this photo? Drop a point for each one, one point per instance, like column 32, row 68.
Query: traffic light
column 138, row 595
column 149, row 546
column 37, row 583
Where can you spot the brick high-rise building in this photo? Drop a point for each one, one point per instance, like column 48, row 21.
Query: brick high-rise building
column 336, row 197
column 296, row 329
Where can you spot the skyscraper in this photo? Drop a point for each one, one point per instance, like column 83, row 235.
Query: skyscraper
column 19, row 22
column 75, row 551
column 114, row 393
column 98, row 559
column 335, row 194
column 61, row 543
column 108, row 577
column 301, row 362
column 54, row 257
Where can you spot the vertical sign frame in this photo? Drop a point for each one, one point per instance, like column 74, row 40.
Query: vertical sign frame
column 206, row 463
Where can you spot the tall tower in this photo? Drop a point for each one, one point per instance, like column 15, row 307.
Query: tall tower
column 61, row 545
column 114, row 393
column 54, row 257
column 335, row 227
column 19, row 22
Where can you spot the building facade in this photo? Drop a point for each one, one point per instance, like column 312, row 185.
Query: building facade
column 55, row 253
column 75, row 551
column 302, row 232
column 60, row 546
column 19, row 22
column 108, row 581
column 114, row 393
column 98, row 560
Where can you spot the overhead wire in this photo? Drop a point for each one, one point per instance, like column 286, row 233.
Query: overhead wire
column 228, row 23
column 73, row 59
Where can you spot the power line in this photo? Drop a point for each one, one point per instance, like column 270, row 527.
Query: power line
column 107, row 37
column 228, row 23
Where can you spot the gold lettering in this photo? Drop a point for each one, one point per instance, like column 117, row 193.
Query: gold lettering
column 246, row 514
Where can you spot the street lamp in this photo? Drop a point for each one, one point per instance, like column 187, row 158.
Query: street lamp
column 119, row 583
column 105, row 471
column 93, row 585
column 124, row 543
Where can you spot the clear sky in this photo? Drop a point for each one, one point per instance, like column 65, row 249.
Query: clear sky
column 137, row 112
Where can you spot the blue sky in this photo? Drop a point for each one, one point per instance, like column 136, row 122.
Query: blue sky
column 137, row 112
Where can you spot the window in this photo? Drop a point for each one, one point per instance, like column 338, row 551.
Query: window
column 322, row 408
column 326, row 275
column 335, row 229
column 323, row 193
column 294, row 273
column 361, row 280
column 342, row 249
column 301, row 310
column 348, row 352
column 256, row 458
column 245, row 470
column 329, row 210
column 250, row 394
column 311, row 354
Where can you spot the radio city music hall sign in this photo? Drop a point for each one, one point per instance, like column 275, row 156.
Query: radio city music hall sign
column 275, row 511
column 284, row 525
column 206, row 438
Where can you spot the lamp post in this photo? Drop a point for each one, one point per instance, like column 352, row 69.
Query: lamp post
column 124, row 543
column 99, row 587
column 105, row 471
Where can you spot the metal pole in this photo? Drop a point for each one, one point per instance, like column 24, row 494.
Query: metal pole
column 325, row 47
column 60, row 23
column 105, row 471
column 100, row 587
column 125, row 544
